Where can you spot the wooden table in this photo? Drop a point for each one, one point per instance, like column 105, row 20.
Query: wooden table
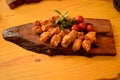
column 17, row 63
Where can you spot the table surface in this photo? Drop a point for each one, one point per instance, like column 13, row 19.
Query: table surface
column 17, row 63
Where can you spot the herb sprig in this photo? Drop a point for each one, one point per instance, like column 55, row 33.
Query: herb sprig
column 63, row 21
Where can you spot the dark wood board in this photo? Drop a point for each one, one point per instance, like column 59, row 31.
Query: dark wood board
column 23, row 36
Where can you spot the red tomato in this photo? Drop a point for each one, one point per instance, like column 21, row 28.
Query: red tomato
column 75, row 27
column 90, row 27
column 79, row 19
column 83, row 26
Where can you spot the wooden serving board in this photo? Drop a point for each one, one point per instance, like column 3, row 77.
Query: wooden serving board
column 23, row 36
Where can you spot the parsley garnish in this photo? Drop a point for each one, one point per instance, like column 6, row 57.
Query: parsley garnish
column 63, row 21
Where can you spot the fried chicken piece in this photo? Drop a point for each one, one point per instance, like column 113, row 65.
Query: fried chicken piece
column 56, row 39
column 86, row 44
column 81, row 35
column 47, row 25
column 37, row 23
column 77, row 45
column 78, row 42
column 67, row 39
column 37, row 29
column 63, row 33
column 90, row 37
column 55, row 30
column 45, row 36
column 73, row 35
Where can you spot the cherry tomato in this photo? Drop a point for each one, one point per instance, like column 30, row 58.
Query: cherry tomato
column 79, row 19
column 83, row 26
column 75, row 27
column 90, row 27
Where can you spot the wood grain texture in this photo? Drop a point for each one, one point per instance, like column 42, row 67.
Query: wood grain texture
column 17, row 63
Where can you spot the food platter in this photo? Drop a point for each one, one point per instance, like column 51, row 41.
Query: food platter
column 24, row 36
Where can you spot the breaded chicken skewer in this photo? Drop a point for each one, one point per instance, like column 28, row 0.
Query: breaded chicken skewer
column 48, row 34
column 69, row 38
column 37, row 27
column 78, row 41
column 90, row 37
column 56, row 39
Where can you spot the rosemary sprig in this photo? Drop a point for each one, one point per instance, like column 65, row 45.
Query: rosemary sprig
column 63, row 21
